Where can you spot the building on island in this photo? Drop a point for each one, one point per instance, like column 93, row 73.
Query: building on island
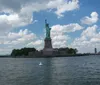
column 95, row 50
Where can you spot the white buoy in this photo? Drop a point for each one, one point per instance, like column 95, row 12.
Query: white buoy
column 40, row 64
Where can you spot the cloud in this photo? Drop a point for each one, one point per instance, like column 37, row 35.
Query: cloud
column 88, row 40
column 7, row 22
column 62, row 6
column 20, row 13
column 90, row 20
column 23, row 38
column 20, row 38
column 37, row 44
column 59, row 36
column 67, row 28
column 16, row 5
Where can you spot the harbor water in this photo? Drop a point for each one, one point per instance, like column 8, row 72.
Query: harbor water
column 83, row 70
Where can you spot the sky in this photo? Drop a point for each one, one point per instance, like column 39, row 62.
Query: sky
column 73, row 23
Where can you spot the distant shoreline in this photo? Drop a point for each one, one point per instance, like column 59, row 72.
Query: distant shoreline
column 76, row 55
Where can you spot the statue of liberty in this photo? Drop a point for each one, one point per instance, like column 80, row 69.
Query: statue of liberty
column 47, row 30
column 47, row 40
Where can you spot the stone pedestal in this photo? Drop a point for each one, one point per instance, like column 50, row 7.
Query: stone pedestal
column 48, row 50
column 47, row 43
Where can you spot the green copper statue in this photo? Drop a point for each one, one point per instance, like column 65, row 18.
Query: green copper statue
column 47, row 30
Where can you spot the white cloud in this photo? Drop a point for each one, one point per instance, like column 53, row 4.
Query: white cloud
column 35, row 21
column 21, row 37
column 37, row 44
column 59, row 36
column 67, row 28
column 20, row 13
column 7, row 22
column 23, row 16
column 18, row 40
column 62, row 6
column 25, row 38
column 88, row 40
column 90, row 31
column 90, row 20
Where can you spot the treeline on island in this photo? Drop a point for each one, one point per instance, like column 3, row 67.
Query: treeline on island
column 67, row 50
column 24, row 52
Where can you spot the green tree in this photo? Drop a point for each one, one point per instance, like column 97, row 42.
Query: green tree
column 23, row 51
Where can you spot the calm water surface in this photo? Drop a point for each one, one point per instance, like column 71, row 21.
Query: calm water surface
column 54, row 71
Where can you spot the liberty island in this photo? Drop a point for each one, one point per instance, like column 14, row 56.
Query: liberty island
column 47, row 51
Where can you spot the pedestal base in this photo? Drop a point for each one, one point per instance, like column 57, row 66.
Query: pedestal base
column 47, row 43
column 48, row 50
